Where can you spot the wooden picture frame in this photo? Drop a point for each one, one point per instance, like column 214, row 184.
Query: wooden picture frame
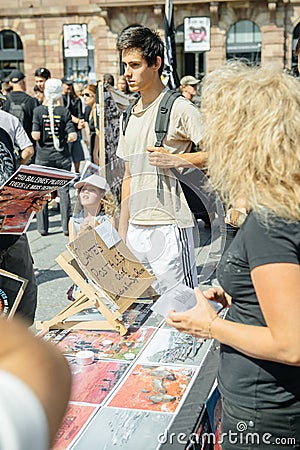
column 9, row 284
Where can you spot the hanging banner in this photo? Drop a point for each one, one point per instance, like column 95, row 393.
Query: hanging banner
column 75, row 40
column 196, row 34
column 170, row 64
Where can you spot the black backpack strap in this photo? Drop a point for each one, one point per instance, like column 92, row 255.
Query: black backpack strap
column 126, row 115
column 163, row 116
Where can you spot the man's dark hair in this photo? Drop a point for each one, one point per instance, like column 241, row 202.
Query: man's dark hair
column 42, row 72
column 145, row 40
column 109, row 79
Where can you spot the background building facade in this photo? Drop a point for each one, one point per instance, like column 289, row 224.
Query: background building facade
column 32, row 34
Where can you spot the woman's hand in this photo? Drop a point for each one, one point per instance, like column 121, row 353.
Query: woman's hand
column 217, row 294
column 196, row 321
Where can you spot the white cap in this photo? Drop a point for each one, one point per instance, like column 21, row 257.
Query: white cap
column 189, row 80
column 53, row 89
column 94, row 180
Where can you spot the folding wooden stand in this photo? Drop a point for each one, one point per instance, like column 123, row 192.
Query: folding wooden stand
column 89, row 296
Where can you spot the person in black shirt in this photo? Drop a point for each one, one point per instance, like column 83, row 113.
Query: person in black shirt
column 15, row 255
column 19, row 97
column 73, row 103
column 53, row 129
column 251, row 131
column 41, row 75
column 89, row 97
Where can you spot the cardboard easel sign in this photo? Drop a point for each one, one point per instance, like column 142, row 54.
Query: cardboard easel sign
column 12, row 288
column 109, row 264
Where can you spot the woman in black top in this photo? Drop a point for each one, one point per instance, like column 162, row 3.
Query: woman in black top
column 53, row 129
column 89, row 97
column 251, row 123
column 73, row 103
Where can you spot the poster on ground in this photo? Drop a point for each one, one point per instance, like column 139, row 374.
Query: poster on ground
column 124, row 430
column 153, row 388
column 106, row 345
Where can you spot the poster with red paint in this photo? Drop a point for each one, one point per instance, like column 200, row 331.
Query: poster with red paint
column 153, row 388
column 92, row 383
column 22, row 190
column 106, row 344
column 76, row 417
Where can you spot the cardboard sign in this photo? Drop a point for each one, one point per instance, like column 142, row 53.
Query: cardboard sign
column 115, row 270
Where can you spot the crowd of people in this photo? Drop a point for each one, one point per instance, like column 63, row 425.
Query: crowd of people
column 246, row 129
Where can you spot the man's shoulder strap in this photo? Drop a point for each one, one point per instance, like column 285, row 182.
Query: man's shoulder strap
column 163, row 116
column 126, row 115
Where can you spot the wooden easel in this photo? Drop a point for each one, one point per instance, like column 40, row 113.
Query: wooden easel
column 89, row 296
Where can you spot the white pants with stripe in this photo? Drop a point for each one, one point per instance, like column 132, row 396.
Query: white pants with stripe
column 167, row 252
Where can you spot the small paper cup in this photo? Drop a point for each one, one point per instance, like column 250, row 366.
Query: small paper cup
column 85, row 357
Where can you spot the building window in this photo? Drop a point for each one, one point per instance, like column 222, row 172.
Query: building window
column 11, row 53
column 243, row 41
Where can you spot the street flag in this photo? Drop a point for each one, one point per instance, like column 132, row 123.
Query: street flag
column 170, row 65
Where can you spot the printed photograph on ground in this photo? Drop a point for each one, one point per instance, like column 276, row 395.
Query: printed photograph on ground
column 106, row 344
column 124, row 430
column 74, row 420
column 92, row 383
column 153, row 388
column 169, row 346
column 134, row 317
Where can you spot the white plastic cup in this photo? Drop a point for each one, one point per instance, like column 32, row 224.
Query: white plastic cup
column 85, row 357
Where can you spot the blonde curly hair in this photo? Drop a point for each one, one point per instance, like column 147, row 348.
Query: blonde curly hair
column 251, row 129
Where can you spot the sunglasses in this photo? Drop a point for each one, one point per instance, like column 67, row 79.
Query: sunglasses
column 86, row 94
